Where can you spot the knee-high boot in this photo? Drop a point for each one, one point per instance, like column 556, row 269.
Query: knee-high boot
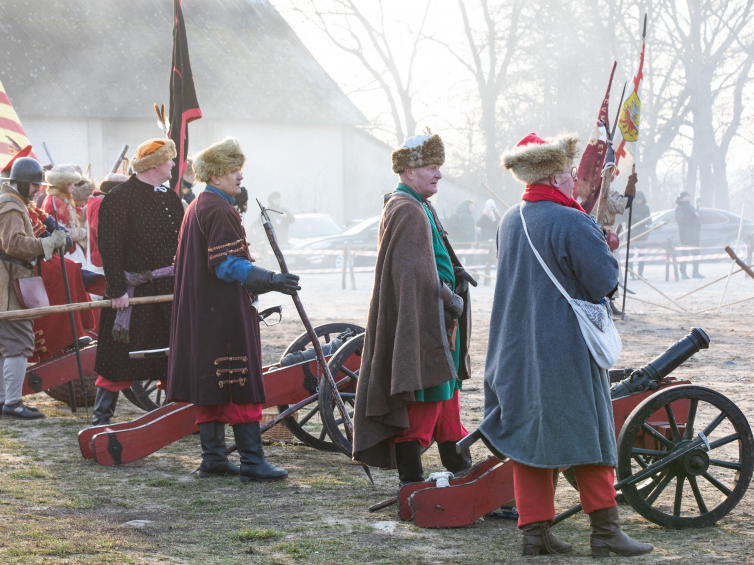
column 104, row 407
column 409, row 460
column 254, row 466
column 452, row 460
column 215, row 461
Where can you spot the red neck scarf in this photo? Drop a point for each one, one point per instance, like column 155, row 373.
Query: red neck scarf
column 539, row 192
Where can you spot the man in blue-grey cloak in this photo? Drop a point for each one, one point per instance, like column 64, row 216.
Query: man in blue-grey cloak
column 547, row 403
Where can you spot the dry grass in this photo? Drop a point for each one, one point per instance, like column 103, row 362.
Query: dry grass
column 56, row 507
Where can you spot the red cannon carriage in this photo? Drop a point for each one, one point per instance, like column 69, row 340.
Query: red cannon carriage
column 669, row 432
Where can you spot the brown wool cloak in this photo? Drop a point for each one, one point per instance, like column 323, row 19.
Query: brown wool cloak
column 405, row 347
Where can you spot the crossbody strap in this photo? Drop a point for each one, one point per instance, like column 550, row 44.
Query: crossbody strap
column 539, row 258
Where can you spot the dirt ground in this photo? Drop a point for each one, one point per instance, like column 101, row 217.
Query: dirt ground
column 56, row 507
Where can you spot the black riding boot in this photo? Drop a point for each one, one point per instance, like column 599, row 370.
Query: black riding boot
column 104, row 407
column 215, row 461
column 254, row 467
column 452, row 460
column 409, row 460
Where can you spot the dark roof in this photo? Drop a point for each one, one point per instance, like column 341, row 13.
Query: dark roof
column 112, row 59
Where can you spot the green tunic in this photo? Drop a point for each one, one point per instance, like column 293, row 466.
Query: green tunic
column 446, row 390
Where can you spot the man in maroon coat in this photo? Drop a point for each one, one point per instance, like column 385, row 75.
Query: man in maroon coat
column 215, row 351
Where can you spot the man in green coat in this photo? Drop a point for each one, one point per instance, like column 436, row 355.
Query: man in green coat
column 416, row 347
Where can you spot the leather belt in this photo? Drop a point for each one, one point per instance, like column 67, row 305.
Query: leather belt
column 16, row 261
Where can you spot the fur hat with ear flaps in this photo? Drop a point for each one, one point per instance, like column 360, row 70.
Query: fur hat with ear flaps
column 83, row 188
column 419, row 151
column 61, row 175
column 153, row 153
column 535, row 158
column 219, row 159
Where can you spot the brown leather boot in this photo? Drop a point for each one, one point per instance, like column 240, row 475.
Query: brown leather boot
column 607, row 536
column 538, row 539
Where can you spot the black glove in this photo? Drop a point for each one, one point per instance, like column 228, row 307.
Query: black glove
column 68, row 242
column 260, row 280
column 461, row 274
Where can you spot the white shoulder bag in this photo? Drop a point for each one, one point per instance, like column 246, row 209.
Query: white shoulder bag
column 595, row 320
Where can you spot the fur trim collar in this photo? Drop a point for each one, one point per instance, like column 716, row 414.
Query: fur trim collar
column 536, row 161
column 219, row 159
column 155, row 159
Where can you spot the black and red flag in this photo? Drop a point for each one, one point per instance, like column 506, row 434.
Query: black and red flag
column 587, row 188
column 184, row 107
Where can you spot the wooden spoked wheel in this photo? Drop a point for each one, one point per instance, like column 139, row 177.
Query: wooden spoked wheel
column 145, row 395
column 701, row 487
column 331, row 417
column 308, row 426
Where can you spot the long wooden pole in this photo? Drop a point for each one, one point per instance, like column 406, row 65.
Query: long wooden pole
column 496, row 196
column 640, row 235
column 72, row 321
column 636, row 225
column 270, row 231
column 33, row 313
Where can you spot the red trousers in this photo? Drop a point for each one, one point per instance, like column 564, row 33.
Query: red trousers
column 229, row 414
column 440, row 420
column 111, row 386
column 535, row 493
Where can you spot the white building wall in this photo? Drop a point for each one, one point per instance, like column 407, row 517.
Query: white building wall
column 67, row 139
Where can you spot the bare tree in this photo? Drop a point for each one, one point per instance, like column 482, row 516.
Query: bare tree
column 714, row 43
column 489, row 50
column 348, row 26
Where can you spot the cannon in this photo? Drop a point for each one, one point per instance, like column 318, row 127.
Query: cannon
column 291, row 385
column 669, row 432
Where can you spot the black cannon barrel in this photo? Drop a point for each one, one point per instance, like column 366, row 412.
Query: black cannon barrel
column 678, row 353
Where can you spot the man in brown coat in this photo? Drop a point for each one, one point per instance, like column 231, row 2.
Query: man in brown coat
column 416, row 347
column 19, row 249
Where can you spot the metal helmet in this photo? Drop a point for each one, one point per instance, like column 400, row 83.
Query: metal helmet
column 27, row 169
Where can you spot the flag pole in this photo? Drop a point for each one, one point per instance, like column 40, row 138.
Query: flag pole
column 628, row 252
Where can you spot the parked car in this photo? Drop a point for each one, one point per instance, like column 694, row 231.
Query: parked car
column 718, row 228
column 310, row 226
column 363, row 233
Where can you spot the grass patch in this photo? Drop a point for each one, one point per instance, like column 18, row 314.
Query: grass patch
column 32, row 473
column 256, row 534
column 79, row 502
column 159, row 482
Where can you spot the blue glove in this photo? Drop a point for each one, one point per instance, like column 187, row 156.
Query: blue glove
column 52, row 225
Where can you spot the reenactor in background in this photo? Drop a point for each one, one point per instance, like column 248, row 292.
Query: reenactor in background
column 19, row 250
column 137, row 237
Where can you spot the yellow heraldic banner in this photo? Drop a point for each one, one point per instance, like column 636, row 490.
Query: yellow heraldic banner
column 12, row 134
column 629, row 119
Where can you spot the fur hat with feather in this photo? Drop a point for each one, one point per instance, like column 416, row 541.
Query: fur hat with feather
column 535, row 158
column 419, row 151
column 219, row 159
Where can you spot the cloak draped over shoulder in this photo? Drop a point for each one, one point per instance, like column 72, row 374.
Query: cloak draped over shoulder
column 547, row 403
column 405, row 347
